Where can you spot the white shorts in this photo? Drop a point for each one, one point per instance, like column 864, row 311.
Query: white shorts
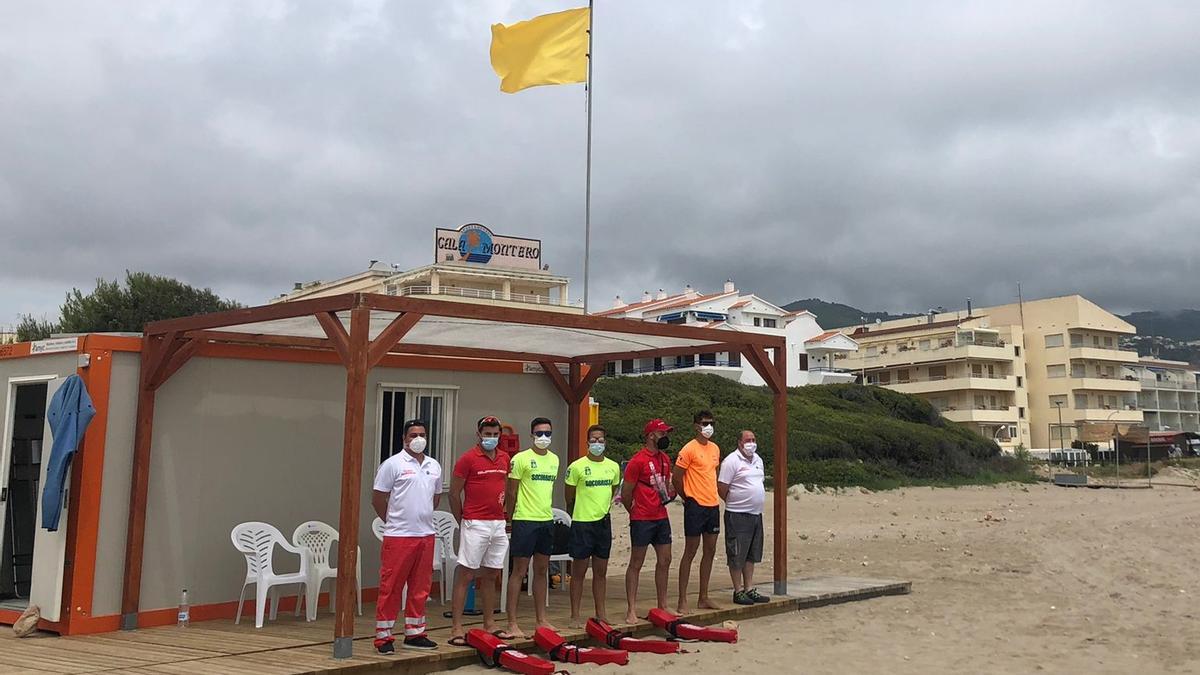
column 482, row 543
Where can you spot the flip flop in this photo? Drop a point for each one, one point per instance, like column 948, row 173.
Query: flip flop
column 457, row 641
column 504, row 635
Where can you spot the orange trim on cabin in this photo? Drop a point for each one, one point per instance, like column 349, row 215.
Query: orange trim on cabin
column 116, row 343
column 301, row 355
column 20, row 350
column 8, row 617
column 86, row 528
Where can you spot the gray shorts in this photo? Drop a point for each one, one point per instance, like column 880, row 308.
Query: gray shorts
column 743, row 538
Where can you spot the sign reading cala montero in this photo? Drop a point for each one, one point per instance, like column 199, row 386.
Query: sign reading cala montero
column 474, row 243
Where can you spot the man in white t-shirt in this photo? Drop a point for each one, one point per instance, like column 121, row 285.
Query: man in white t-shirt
column 740, row 483
column 407, row 488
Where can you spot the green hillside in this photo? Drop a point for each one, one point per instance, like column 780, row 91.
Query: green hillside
column 837, row 434
column 836, row 315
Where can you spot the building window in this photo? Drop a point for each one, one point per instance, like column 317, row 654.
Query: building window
column 1021, row 412
column 1020, row 381
column 735, row 359
column 902, row 376
column 768, row 323
column 803, row 361
column 1081, row 401
column 757, row 321
column 1056, row 370
column 1058, row 401
column 885, row 378
column 1108, row 341
column 872, row 351
column 688, row 361
column 1078, row 370
column 627, row 366
column 1076, row 340
column 1016, row 351
column 1054, row 340
column 658, row 364
column 610, row 369
column 708, row 359
column 437, row 407
column 937, row 372
column 1063, row 433
column 1095, row 340
column 923, row 345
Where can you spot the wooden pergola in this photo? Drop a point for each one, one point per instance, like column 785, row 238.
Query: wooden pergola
column 363, row 328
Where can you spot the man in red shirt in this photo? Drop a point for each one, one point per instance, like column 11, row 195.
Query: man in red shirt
column 480, row 475
column 645, row 493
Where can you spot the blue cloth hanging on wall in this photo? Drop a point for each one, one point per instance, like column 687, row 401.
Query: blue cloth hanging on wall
column 69, row 413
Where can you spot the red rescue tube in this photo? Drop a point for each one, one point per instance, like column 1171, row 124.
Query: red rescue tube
column 560, row 650
column 689, row 631
column 616, row 639
column 493, row 651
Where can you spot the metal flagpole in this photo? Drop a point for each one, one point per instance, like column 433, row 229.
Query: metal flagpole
column 587, row 200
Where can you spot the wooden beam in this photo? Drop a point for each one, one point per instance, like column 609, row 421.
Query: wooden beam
column 574, row 421
column 248, row 315
column 763, row 366
column 595, row 372
column 135, row 531
column 475, row 353
column 556, row 378
column 234, row 337
column 351, row 481
column 175, row 361
column 390, row 336
column 780, row 474
column 336, row 332
column 654, row 353
column 535, row 317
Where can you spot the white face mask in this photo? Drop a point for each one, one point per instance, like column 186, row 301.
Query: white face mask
column 706, row 431
column 417, row 445
column 541, row 442
column 596, row 448
column 750, row 448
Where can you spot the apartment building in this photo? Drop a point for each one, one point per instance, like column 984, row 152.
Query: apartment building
column 471, row 265
column 1170, row 394
column 811, row 350
column 971, row 371
column 1009, row 372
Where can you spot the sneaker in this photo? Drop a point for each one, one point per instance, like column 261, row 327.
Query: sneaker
column 754, row 595
column 385, row 647
column 419, row 642
column 742, row 598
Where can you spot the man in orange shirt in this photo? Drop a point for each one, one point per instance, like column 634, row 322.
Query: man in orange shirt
column 695, row 477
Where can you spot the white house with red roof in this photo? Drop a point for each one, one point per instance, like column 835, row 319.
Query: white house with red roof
column 811, row 351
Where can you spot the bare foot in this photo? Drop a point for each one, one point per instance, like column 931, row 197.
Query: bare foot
column 631, row 618
column 707, row 604
column 575, row 622
column 515, row 631
column 682, row 610
column 603, row 618
column 547, row 624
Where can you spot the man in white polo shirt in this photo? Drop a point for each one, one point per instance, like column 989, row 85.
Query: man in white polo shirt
column 407, row 488
column 740, row 483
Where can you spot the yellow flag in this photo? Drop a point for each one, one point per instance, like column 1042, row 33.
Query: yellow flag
column 547, row 49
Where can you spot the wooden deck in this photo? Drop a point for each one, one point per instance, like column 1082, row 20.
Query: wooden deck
column 292, row 645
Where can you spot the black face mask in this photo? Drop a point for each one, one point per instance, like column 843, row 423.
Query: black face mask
column 664, row 442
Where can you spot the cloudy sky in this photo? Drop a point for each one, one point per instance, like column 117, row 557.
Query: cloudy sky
column 888, row 155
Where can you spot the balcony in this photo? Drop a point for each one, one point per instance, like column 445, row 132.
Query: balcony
column 487, row 296
column 1106, row 415
column 937, row 353
column 953, row 383
column 985, row 414
column 1104, row 384
column 1102, row 354
column 830, row 376
column 1170, row 385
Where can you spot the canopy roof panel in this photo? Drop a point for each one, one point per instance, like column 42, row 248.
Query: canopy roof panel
column 459, row 329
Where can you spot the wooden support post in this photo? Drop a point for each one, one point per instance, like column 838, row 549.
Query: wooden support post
column 780, row 471
column 352, row 459
column 135, row 533
column 574, row 423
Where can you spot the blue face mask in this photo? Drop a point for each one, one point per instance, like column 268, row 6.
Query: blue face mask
column 596, row 448
column 489, row 443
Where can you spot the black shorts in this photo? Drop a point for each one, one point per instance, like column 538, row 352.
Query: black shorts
column 698, row 520
column 743, row 538
column 530, row 537
column 592, row 539
column 650, row 532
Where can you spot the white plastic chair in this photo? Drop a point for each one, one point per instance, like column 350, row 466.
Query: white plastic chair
column 317, row 538
column 563, row 517
column 445, row 560
column 257, row 541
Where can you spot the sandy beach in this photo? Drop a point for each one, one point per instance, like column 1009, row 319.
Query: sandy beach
column 1006, row 579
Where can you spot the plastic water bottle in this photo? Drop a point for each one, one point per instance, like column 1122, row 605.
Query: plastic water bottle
column 184, row 610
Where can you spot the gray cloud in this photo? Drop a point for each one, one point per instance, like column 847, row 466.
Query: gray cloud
column 889, row 156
